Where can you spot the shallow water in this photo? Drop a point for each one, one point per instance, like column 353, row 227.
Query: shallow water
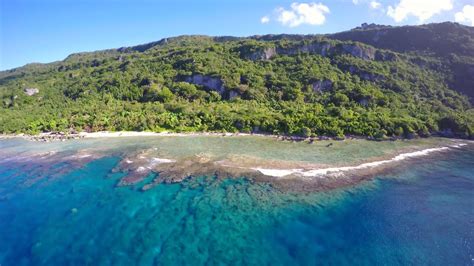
column 221, row 147
column 419, row 214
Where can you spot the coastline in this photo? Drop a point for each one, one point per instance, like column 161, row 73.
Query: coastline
column 61, row 136
column 117, row 134
column 310, row 172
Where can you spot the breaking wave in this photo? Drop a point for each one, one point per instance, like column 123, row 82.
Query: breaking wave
column 337, row 170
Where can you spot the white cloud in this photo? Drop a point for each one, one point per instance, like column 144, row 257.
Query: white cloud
column 265, row 19
column 302, row 13
column 466, row 15
column 375, row 5
column 422, row 9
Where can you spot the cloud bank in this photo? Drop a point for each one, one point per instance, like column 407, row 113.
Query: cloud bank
column 421, row 9
column 302, row 13
column 375, row 5
column 466, row 16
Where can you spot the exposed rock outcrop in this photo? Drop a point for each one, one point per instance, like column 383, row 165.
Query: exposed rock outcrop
column 316, row 47
column 363, row 52
column 385, row 56
column 31, row 91
column 263, row 54
column 323, row 48
column 212, row 83
column 365, row 75
column 322, row 85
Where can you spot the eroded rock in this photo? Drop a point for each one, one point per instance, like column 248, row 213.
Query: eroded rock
column 31, row 91
column 365, row 75
column 322, row 85
column 324, row 48
column 210, row 82
column 363, row 52
column 263, row 54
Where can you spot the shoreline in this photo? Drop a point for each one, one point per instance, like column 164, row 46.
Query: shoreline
column 298, row 175
column 61, row 136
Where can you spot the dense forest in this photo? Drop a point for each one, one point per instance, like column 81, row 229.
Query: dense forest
column 280, row 84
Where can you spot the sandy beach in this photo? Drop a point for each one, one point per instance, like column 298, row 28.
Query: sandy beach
column 109, row 134
column 60, row 136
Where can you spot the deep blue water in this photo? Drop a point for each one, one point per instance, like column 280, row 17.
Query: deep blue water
column 421, row 214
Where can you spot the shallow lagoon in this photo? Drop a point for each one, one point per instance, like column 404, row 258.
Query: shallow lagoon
column 219, row 147
column 418, row 214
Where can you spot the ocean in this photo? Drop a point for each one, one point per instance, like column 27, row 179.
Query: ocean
column 61, row 204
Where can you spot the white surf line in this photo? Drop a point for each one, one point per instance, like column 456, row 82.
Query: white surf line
column 278, row 172
column 459, row 145
column 326, row 171
column 151, row 162
column 160, row 160
column 82, row 156
column 154, row 162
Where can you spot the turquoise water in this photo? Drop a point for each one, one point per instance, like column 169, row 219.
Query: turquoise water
column 53, row 214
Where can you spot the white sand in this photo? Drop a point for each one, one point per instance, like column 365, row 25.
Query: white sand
column 108, row 134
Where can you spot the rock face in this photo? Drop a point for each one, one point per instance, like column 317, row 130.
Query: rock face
column 364, row 75
column 385, row 56
column 322, row 85
column 31, row 91
column 264, row 54
column 365, row 53
column 212, row 83
column 323, row 48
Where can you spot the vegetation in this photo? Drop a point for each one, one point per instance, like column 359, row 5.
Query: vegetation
column 447, row 48
column 261, row 84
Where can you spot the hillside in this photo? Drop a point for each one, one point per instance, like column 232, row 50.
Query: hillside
column 450, row 44
column 281, row 84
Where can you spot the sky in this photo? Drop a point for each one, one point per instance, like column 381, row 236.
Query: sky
column 42, row 31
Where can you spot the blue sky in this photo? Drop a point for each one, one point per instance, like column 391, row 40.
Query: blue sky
column 49, row 30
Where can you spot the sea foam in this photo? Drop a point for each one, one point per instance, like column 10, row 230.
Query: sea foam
column 335, row 170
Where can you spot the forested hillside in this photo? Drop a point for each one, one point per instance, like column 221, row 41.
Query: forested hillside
column 284, row 84
column 449, row 45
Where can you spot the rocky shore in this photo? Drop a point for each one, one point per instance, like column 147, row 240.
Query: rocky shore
column 47, row 136
column 63, row 136
column 73, row 135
